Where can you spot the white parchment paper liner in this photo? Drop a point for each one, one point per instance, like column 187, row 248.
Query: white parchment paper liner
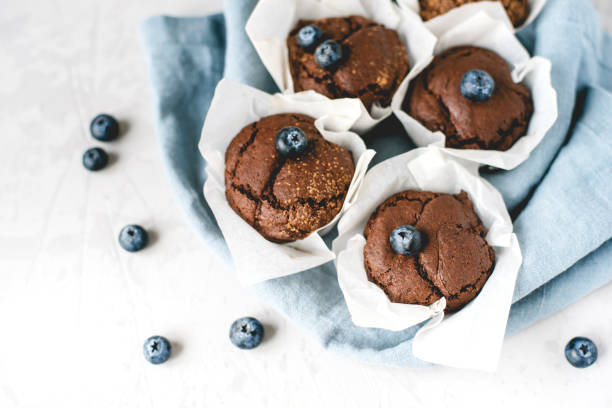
column 469, row 338
column 483, row 31
column 235, row 106
column 493, row 8
column 272, row 20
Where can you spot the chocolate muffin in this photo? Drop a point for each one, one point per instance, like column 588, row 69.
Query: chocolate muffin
column 468, row 94
column 421, row 246
column 350, row 57
column 284, row 178
column 517, row 9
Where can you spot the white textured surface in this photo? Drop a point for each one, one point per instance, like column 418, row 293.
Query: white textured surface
column 605, row 10
column 75, row 309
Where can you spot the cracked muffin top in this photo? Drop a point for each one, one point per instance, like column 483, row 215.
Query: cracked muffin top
column 350, row 57
column 421, row 246
column 517, row 10
column 468, row 94
column 284, row 178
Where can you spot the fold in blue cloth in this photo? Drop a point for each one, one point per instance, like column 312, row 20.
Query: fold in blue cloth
column 561, row 197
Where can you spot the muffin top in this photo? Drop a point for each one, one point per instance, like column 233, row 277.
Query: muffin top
column 447, row 252
column 286, row 194
column 468, row 94
column 517, row 10
column 350, row 57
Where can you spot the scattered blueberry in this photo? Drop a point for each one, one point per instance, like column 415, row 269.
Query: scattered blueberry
column 309, row 36
column 477, row 85
column 328, row 53
column 406, row 240
column 133, row 238
column 104, row 127
column 581, row 352
column 157, row 349
column 291, row 141
column 95, row 159
column 246, row 333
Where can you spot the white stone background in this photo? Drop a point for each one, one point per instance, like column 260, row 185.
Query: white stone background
column 75, row 309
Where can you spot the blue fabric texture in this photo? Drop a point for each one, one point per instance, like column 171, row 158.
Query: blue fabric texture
column 560, row 198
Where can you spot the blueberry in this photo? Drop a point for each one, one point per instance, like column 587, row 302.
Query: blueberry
column 477, row 85
column 309, row 36
column 406, row 240
column 291, row 141
column 246, row 333
column 104, row 127
column 581, row 352
column 157, row 349
column 328, row 53
column 95, row 159
column 133, row 238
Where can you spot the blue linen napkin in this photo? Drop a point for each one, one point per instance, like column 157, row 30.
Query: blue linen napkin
column 561, row 197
